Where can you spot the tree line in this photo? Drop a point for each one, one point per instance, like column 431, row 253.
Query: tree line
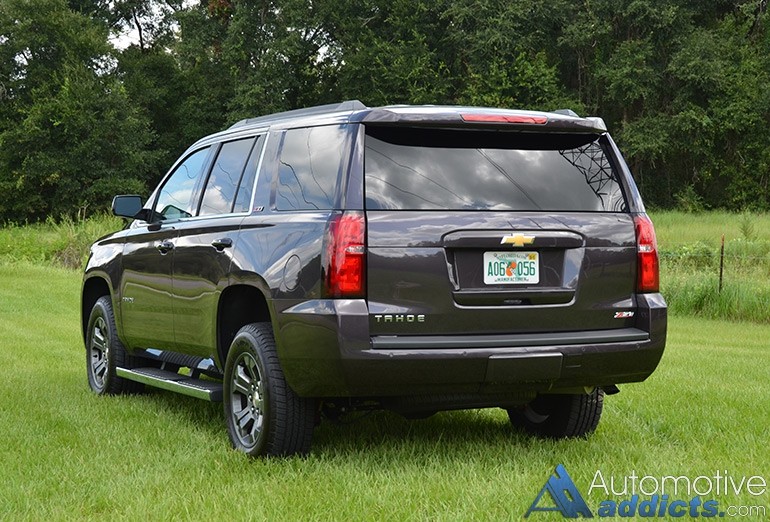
column 684, row 85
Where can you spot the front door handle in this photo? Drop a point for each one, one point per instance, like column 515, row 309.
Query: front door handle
column 222, row 243
column 165, row 246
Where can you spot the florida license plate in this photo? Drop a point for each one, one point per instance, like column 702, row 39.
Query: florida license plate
column 511, row 268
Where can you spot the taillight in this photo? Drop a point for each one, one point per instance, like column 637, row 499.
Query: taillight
column 504, row 118
column 345, row 255
column 648, row 271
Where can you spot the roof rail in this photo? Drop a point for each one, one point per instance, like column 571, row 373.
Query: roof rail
column 348, row 105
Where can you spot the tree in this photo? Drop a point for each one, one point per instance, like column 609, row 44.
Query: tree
column 722, row 113
column 69, row 136
column 158, row 89
column 680, row 83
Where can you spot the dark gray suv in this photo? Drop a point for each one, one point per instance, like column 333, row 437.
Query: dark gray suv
column 414, row 258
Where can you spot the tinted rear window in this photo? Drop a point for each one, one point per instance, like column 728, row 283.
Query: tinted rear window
column 440, row 169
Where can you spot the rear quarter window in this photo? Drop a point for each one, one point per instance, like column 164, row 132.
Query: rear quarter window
column 443, row 169
column 309, row 167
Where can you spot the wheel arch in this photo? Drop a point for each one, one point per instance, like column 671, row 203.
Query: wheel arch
column 240, row 304
column 94, row 287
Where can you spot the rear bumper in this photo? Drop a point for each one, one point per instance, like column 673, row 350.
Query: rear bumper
column 326, row 351
column 473, row 369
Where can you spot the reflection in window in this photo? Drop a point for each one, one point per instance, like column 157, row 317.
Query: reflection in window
column 309, row 167
column 243, row 198
column 175, row 200
column 222, row 184
column 597, row 170
column 424, row 169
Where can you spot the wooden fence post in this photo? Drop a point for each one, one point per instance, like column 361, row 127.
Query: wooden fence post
column 721, row 262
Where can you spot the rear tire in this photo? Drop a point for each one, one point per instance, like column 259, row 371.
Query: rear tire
column 560, row 416
column 264, row 415
column 105, row 353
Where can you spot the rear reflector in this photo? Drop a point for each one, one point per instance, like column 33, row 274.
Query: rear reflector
column 648, row 269
column 504, row 118
column 345, row 255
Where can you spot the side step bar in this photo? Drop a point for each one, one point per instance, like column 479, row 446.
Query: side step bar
column 166, row 380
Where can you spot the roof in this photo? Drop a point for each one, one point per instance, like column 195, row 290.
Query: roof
column 349, row 106
column 423, row 115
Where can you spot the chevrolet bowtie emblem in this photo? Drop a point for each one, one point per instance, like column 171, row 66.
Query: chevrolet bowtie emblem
column 517, row 240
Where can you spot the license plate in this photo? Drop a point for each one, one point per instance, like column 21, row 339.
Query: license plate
column 511, row 268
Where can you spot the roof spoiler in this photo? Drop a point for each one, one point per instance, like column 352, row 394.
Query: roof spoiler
column 558, row 121
column 598, row 122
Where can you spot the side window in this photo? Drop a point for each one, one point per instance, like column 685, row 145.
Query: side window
column 222, row 185
column 309, row 167
column 175, row 200
column 243, row 198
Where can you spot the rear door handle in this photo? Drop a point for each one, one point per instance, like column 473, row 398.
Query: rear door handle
column 165, row 246
column 222, row 243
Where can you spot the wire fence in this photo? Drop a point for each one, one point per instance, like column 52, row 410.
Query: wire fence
column 740, row 257
column 675, row 256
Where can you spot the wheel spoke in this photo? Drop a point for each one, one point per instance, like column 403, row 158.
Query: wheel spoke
column 250, row 366
column 100, row 367
column 243, row 417
column 97, row 341
column 241, row 384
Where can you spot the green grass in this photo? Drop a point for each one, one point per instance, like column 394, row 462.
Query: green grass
column 59, row 243
column 67, row 454
column 674, row 227
column 689, row 246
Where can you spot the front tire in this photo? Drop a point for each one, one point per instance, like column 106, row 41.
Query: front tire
column 264, row 415
column 105, row 352
column 560, row 416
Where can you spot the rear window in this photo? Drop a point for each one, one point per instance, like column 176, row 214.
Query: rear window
column 444, row 169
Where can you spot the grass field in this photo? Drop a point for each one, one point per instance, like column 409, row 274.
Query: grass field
column 67, row 454
column 60, row 243
column 674, row 227
column 689, row 247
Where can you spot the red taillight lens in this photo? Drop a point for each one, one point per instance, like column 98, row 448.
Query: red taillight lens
column 504, row 118
column 648, row 271
column 345, row 255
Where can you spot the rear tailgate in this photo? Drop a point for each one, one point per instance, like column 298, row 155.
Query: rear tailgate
column 479, row 231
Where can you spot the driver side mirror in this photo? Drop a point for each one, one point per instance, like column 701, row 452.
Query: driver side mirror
column 128, row 207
